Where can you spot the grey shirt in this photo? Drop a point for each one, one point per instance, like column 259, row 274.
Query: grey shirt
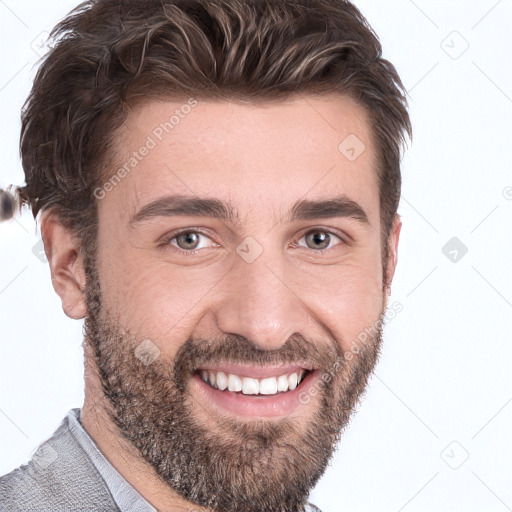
column 69, row 473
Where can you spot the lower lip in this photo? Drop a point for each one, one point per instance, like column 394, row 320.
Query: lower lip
column 281, row 404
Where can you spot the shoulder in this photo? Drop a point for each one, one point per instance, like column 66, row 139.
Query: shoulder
column 59, row 476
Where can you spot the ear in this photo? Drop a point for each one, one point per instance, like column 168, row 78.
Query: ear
column 392, row 243
column 66, row 266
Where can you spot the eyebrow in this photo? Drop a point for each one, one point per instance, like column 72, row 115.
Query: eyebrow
column 339, row 206
column 195, row 206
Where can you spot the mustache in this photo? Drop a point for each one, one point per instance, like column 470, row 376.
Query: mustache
column 239, row 350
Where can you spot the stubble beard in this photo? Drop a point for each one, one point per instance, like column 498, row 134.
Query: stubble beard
column 216, row 462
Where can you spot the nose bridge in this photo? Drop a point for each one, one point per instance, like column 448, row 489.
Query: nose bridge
column 259, row 304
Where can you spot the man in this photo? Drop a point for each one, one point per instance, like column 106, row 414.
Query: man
column 218, row 184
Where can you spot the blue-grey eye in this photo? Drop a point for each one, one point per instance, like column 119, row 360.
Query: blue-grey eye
column 188, row 241
column 319, row 240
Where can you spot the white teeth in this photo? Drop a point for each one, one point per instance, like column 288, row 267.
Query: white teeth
column 250, row 386
column 222, row 381
column 268, row 386
column 282, row 383
column 292, row 380
column 234, row 383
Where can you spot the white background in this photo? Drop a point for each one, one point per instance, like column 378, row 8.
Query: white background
column 443, row 388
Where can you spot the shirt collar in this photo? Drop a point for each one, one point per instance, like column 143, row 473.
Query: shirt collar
column 126, row 497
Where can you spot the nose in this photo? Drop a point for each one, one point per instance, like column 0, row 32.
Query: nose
column 261, row 303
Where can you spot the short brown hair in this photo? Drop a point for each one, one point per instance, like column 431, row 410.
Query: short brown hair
column 108, row 55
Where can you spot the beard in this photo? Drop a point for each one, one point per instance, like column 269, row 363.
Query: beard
column 217, row 462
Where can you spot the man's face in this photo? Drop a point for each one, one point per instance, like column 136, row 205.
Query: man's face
column 278, row 289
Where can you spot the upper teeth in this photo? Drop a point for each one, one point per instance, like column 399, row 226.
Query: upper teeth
column 250, row 386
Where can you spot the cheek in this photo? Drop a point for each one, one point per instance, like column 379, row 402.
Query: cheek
column 154, row 299
column 349, row 300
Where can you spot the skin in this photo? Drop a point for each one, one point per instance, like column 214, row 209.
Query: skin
column 262, row 159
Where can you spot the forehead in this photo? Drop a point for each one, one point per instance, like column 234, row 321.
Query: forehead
column 266, row 155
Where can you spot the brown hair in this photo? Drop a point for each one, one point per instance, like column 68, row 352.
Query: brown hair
column 108, row 55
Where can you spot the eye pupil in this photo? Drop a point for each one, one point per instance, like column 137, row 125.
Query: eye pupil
column 321, row 237
column 188, row 238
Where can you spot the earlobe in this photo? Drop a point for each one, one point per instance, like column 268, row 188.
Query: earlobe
column 66, row 265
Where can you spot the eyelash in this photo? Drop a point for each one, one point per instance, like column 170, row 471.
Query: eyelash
column 167, row 240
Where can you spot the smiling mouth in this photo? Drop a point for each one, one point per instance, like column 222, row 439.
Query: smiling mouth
column 243, row 385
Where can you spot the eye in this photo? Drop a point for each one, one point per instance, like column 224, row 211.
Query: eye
column 187, row 242
column 319, row 239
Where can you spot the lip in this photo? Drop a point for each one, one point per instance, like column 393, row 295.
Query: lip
column 256, row 372
column 252, row 406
